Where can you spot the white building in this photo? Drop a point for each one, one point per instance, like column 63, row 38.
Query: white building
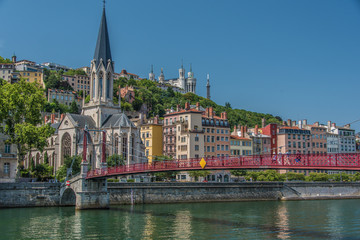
column 346, row 138
column 187, row 84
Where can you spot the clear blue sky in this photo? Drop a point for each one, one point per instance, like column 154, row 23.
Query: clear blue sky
column 295, row 59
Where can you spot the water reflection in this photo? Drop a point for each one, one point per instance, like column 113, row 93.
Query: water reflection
column 149, row 226
column 282, row 221
column 182, row 225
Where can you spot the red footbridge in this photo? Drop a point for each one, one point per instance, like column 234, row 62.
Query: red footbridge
column 340, row 161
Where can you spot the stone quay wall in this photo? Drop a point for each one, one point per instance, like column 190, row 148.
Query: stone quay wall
column 29, row 194
column 142, row 193
column 48, row 194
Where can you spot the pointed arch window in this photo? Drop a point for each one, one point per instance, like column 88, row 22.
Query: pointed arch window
column 124, row 147
column 101, row 76
column 108, row 87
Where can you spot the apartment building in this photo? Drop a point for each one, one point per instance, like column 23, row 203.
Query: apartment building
column 8, row 160
column 216, row 134
column 318, row 138
column 6, row 70
column 78, row 82
column 293, row 140
column 240, row 146
column 64, row 97
column 152, row 137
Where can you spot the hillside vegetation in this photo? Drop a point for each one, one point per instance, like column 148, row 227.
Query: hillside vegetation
column 158, row 100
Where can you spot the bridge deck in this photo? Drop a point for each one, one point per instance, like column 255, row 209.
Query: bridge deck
column 340, row 161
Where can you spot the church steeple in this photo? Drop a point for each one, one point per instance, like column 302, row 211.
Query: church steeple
column 102, row 50
column 102, row 67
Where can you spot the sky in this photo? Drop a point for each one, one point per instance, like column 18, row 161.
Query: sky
column 294, row 59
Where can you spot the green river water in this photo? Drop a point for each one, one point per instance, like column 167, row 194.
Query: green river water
column 325, row 219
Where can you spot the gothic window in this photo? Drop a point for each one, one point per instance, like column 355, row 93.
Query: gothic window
column 116, row 144
column 108, row 87
column 66, row 145
column 93, row 86
column 101, row 75
column 132, row 147
column 37, row 158
column 124, row 147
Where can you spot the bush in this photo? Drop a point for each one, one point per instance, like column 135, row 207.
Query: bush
column 130, row 180
column 113, row 180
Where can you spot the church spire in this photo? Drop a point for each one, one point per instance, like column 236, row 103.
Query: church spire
column 102, row 50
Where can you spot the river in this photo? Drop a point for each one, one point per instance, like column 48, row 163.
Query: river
column 321, row 219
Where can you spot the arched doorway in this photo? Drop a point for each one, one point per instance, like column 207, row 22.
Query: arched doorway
column 68, row 198
column 65, row 146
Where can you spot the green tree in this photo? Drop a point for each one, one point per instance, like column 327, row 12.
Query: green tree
column 21, row 104
column 115, row 160
column 76, row 166
column 46, row 158
column 42, row 171
column 5, row 60
column 200, row 173
column 74, row 107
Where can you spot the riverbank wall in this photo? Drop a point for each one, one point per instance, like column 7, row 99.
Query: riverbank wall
column 29, row 194
column 48, row 194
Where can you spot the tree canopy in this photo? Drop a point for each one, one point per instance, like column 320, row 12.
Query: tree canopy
column 20, row 114
column 157, row 100
column 5, row 60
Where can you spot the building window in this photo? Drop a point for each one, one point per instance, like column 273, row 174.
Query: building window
column 6, row 168
column 7, row 148
column 196, row 147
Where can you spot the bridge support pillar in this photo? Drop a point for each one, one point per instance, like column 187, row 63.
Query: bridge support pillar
column 91, row 193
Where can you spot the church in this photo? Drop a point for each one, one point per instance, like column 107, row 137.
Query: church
column 187, row 84
column 98, row 115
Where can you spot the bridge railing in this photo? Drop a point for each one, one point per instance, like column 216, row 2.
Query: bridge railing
column 348, row 160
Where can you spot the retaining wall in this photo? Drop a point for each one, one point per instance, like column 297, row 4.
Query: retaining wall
column 29, row 194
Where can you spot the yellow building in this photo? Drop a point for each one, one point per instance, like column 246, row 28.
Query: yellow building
column 152, row 136
column 31, row 76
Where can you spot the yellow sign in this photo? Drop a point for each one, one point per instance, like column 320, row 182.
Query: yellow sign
column 202, row 163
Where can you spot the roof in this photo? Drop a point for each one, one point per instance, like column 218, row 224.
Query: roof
column 191, row 110
column 118, row 120
column 290, row 128
column 102, row 50
column 239, row 138
column 56, row 126
column 81, row 120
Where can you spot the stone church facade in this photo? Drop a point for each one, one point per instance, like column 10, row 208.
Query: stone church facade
column 99, row 115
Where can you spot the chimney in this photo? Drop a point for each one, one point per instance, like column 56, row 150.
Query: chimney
column 245, row 129
column 234, row 132
column 156, row 119
column 178, row 107
column 304, row 122
column 284, row 123
column 52, row 118
column 198, row 106
column 263, row 122
column 207, row 112
column 242, row 131
column 347, row 126
column 289, row 122
column 46, row 119
column 62, row 117
column 300, row 124
column 316, row 124
column 187, row 106
column 211, row 112
column 293, row 124
column 256, row 129
column 329, row 125
column 224, row 115
column 333, row 125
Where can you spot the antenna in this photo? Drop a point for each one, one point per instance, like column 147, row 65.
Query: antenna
column 104, row 3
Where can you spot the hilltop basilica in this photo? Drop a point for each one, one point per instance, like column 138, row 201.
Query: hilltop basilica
column 100, row 114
